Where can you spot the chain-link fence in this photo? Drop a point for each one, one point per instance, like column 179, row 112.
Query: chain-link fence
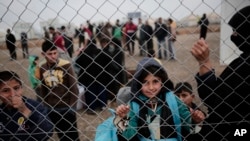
column 101, row 43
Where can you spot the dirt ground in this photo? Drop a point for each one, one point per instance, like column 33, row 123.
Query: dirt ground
column 182, row 69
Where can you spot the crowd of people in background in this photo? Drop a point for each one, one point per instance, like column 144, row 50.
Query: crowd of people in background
column 133, row 34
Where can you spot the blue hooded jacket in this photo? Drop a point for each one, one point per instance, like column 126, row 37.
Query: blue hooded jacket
column 137, row 123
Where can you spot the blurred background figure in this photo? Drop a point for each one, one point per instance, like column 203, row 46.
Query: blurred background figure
column 10, row 43
column 24, row 43
column 68, row 41
column 203, row 22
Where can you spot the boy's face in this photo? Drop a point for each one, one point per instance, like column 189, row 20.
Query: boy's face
column 186, row 97
column 9, row 90
column 151, row 86
column 51, row 56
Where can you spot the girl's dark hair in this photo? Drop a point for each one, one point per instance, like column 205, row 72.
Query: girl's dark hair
column 159, row 72
column 9, row 75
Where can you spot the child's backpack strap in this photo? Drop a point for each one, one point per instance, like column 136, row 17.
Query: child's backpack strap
column 173, row 106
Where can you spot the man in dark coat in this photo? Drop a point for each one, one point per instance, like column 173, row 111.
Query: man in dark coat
column 203, row 22
column 227, row 96
column 161, row 32
column 10, row 43
column 148, row 35
column 68, row 41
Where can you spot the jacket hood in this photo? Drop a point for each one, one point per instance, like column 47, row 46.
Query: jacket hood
column 144, row 63
column 240, row 22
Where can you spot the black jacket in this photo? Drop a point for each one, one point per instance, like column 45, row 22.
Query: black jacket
column 36, row 127
column 227, row 96
column 161, row 31
column 10, row 40
column 94, row 66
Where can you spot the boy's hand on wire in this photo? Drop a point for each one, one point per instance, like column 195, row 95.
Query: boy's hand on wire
column 197, row 115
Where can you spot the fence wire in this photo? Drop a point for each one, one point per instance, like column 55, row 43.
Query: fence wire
column 101, row 43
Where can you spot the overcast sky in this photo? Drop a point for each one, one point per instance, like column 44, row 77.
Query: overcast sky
column 78, row 11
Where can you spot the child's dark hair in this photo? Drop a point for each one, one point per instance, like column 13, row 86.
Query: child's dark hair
column 48, row 45
column 156, row 71
column 9, row 75
column 183, row 86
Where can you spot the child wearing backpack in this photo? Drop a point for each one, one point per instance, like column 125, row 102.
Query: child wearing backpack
column 154, row 112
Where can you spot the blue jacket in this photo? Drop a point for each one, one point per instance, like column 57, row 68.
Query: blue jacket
column 138, row 124
column 15, row 127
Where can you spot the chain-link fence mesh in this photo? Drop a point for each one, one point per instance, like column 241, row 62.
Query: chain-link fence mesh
column 104, row 41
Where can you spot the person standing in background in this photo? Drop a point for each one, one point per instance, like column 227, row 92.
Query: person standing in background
column 59, row 92
column 24, row 43
column 80, row 34
column 171, row 38
column 69, row 45
column 140, row 37
column 90, row 26
column 148, row 36
column 203, row 22
column 117, row 30
column 130, row 33
column 59, row 42
column 10, row 43
column 161, row 32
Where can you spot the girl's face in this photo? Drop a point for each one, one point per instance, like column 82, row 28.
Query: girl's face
column 151, row 86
